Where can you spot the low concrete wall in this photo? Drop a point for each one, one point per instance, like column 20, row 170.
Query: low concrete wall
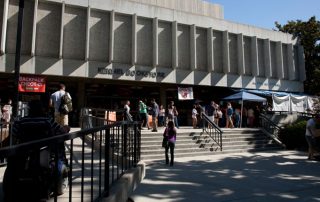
column 285, row 119
column 124, row 187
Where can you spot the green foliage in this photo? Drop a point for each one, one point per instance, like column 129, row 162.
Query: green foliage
column 308, row 35
column 293, row 136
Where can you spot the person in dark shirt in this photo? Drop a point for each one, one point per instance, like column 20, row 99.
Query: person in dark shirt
column 170, row 133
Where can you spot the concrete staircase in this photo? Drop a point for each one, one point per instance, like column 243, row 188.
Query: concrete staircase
column 193, row 142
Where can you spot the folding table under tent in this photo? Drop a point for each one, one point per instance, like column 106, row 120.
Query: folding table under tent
column 244, row 96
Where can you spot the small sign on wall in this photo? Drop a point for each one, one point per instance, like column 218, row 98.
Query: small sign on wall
column 185, row 93
column 35, row 84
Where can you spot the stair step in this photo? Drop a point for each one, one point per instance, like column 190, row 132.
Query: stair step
column 196, row 143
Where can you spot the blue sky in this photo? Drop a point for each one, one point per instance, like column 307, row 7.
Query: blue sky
column 263, row 13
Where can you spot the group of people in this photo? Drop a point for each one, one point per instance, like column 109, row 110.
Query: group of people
column 227, row 116
column 160, row 115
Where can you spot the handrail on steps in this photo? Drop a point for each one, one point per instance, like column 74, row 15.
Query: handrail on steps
column 212, row 130
column 271, row 128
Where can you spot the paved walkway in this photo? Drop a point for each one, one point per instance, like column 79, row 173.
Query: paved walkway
column 265, row 176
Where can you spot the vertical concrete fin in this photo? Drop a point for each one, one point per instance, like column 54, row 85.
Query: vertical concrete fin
column 4, row 26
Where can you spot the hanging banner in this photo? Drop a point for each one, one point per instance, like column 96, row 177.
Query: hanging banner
column 185, row 93
column 33, row 84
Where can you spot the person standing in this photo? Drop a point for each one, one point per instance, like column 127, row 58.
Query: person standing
column 127, row 115
column 143, row 114
column 154, row 113
column 237, row 117
column 194, row 116
column 229, row 114
column 175, row 114
column 311, row 135
column 211, row 111
column 200, row 110
column 250, row 117
column 162, row 114
column 257, row 116
column 55, row 102
column 170, row 133
column 7, row 112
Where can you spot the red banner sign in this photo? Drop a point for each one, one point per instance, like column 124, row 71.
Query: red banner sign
column 35, row 84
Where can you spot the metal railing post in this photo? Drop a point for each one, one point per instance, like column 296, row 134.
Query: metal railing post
column 106, row 163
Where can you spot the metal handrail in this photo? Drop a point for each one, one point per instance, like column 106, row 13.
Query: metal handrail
column 271, row 128
column 97, row 157
column 269, row 125
column 212, row 130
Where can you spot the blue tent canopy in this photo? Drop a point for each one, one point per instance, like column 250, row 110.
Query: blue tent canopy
column 245, row 96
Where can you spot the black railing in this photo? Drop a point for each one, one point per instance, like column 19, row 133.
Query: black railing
column 97, row 157
column 269, row 125
column 212, row 130
column 92, row 117
column 271, row 128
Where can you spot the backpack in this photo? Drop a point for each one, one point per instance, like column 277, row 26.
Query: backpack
column 66, row 104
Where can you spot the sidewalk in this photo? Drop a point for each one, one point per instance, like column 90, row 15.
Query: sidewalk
column 265, row 176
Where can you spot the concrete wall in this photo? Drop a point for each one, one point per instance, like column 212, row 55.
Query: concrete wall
column 48, row 27
column 99, row 24
column 199, row 7
column 201, row 49
column 164, row 44
column 183, row 35
column 72, row 39
column 122, row 39
column 144, row 42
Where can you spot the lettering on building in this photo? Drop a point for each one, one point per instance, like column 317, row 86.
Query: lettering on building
column 131, row 73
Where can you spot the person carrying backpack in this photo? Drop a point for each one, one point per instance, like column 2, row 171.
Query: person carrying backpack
column 62, row 103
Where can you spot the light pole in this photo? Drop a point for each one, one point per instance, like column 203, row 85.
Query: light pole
column 17, row 59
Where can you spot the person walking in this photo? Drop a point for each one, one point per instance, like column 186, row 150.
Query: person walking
column 170, row 133
column 154, row 113
column 55, row 102
column 311, row 135
column 194, row 116
column 143, row 114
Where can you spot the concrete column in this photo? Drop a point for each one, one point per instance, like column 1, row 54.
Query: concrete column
column 4, row 26
column 111, row 38
column 134, row 39
column 210, row 51
column 61, row 29
column 34, row 27
column 254, row 57
column 88, row 34
column 163, row 96
column 155, row 43
column 174, row 44
column 225, row 51
column 267, row 58
column 291, row 68
column 302, row 68
column 81, row 94
column 240, row 53
column 193, row 48
column 279, row 60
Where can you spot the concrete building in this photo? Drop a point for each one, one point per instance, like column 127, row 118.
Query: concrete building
column 115, row 49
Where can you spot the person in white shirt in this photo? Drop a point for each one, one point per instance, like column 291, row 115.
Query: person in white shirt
column 311, row 135
column 55, row 101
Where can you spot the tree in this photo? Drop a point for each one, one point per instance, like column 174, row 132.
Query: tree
column 308, row 35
